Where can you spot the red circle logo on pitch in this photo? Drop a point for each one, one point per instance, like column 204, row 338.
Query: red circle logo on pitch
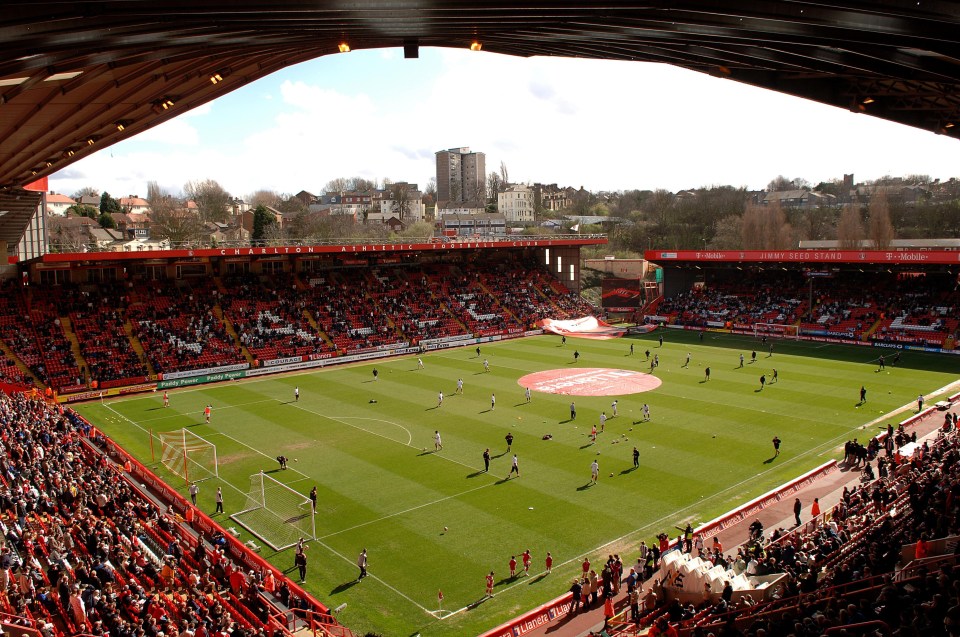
column 592, row 381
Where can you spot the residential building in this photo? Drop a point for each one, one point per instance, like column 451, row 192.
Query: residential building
column 549, row 197
column 90, row 200
column 57, row 204
column 134, row 204
column 516, row 203
column 351, row 204
column 798, row 199
column 401, row 200
column 461, row 177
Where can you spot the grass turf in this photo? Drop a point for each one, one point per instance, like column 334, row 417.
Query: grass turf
column 382, row 487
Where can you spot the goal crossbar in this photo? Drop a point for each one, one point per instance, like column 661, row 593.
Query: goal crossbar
column 276, row 513
column 188, row 455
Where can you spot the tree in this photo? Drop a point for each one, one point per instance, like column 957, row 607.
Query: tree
column 340, row 184
column 169, row 219
column 504, row 174
column 766, row 228
column 265, row 197
column 431, row 189
column 213, row 202
column 80, row 210
column 106, row 221
column 418, row 230
column 262, row 219
column 880, row 228
column 86, row 191
column 494, row 186
column 849, row 228
column 780, row 183
column 401, row 200
column 109, row 204
column 727, row 233
column 291, row 205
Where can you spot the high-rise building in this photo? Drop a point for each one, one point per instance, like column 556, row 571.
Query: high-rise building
column 461, row 177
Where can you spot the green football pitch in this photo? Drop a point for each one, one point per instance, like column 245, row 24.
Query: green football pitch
column 434, row 521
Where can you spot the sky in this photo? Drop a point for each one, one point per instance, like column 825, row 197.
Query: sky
column 598, row 124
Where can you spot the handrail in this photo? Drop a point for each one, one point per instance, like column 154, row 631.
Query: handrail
column 861, row 626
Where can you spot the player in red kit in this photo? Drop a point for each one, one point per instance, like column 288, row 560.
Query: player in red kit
column 513, row 566
column 490, row 584
column 549, row 562
column 526, row 557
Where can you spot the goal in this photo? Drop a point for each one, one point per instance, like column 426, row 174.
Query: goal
column 778, row 330
column 276, row 514
column 187, row 455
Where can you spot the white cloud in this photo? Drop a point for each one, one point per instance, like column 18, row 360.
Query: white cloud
column 603, row 125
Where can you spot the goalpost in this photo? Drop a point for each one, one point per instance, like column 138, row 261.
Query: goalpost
column 187, row 455
column 276, row 514
column 779, row 330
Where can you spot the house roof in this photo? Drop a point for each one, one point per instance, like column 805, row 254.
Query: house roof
column 54, row 197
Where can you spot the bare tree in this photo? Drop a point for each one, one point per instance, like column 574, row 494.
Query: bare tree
column 86, row 191
column 880, row 228
column 269, row 198
column 766, row 228
column 504, row 174
column 850, row 228
column 727, row 233
column 494, row 185
column 290, row 205
column 340, row 184
column 780, row 183
column 169, row 219
column 431, row 189
column 400, row 194
column 362, row 184
column 212, row 200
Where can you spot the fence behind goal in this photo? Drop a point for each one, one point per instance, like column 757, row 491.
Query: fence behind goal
column 276, row 514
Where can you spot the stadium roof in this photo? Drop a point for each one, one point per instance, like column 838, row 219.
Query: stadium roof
column 78, row 76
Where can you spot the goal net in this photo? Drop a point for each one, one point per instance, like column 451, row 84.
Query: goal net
column 276, row 514
column 777, row 330
column 187, row 455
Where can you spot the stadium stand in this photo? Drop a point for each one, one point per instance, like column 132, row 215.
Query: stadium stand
column 86, row 551
column 913, row 309
column 125, row 331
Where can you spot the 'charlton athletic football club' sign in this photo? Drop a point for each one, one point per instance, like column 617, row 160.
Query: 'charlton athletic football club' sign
column 591, row 381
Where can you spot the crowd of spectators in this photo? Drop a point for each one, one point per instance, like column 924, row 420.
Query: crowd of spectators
column 840, row 568
column 85, row 552
column 206, row 322
column 881, row 306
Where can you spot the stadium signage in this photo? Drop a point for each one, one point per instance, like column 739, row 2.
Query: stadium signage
column 534, row 619
column 434, row 245
column 199, row 380
column 206, row 370
column 809, row 256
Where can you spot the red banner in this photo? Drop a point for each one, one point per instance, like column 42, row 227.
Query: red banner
column 437, row 245
column 622, row 294
column 918, row 257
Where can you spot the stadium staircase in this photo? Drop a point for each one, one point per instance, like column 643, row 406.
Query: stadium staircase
column 231, row 331
column 138, row 346
column 67, row 326
column 309, row 318
column 21, row 367
column 496, row 302
column 873, row 328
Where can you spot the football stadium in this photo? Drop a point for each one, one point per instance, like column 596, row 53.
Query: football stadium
column 451, row 435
